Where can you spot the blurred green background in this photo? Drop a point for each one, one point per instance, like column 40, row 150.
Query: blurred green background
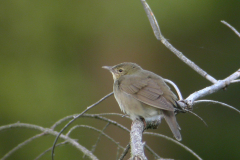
column 51, row 54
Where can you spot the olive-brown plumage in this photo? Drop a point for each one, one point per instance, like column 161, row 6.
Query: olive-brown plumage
column 144, row 94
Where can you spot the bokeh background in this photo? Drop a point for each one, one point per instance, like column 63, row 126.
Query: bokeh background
column 51, row 54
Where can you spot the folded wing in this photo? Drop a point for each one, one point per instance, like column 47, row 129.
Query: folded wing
column 147, row 91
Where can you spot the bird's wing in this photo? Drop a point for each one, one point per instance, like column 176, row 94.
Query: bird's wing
column 145, row 90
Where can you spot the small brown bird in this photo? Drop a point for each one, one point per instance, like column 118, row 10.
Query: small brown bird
column 144, row 95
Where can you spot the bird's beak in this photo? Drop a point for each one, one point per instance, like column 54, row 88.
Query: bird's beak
column 108, row 68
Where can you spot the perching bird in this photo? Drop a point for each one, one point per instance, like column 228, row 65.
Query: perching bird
column 144, row 95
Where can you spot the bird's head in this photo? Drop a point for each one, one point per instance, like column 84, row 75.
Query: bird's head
column 126, row 68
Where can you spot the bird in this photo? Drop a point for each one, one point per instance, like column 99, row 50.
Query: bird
column 144, row 95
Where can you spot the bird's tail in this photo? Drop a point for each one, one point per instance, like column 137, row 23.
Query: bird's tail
column 172, row 123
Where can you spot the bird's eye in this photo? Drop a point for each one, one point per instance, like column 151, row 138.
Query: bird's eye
column 120, row 70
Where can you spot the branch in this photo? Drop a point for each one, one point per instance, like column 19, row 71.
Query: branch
column 159, row 36
column 75, row 119
column 178, row 143
column 153, row 153
column 99, row 137
column 51, row 132
column 99, row 116
column 175, row 87
column 212, row 101
column 138, row 129
column 124, row 152
column 95, row 129
column 188, row 102
column 231, row 27
column 137, row 146
column 211, row 89
column 21, row 145
column 49, row 149
column 235, row 81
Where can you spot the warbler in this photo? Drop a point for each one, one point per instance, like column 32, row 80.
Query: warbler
column 144, row 95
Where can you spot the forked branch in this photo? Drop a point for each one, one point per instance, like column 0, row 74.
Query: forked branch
column 217, row 85
column 159, row 36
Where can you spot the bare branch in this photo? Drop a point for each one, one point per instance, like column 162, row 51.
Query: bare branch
column 76, row 118
column 99, row 137
column 51, row 132
column 212, row 101
column 198, row 117
column 21, row 145
column 137, row 146
column 99, row 116
column 62, row 120
column 175, row 87
column 49, row 149
column 152, row 20
column 231, row 27
column 124, row 128
column 124, row 152
column 213, row 88
column 178, row 143
column 179, row 54
column 117, row 153
column 235, row 81
column 95, row 129
column 106, row 120
column 152, row 151
column 111, row 114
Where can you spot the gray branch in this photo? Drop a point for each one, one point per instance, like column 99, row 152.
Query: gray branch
column 51, row 132
column 176, row 142
column 21, row 145
column 159, row 36
column 136, row 130
column 232, row 28
column 221, row 84
column 79, row 115
column 137, row 146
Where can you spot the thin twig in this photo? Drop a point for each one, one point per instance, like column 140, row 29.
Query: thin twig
column 231, row 27
column 49, row 149
column 235, row 81
column 113, row 114
column 97, row 116
column 51, row 132
column 117, row 152
column 95, row 129
column 213, row 88
column 106, row 120
column 74, row 115
column 175, row 87
column 198, row 117
column 212, row 101
column 76, row 118
column 179, row 54
column 124, row 152
column 178, row 143
column 21, row 145
column 99, row 137
column 62, row 120
column 152, row 151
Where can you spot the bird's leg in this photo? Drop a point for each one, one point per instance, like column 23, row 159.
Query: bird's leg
column 144, row 122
